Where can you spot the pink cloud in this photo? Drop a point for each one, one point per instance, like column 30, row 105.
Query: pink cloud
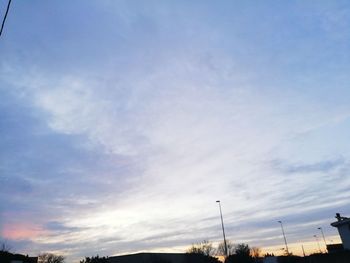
column 16, row 231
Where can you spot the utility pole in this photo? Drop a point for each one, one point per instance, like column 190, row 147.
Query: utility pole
column 324, row 239
column 223, row 229
column 303, row 250
column 5, row 16
column 284, row 236
column 318, row 243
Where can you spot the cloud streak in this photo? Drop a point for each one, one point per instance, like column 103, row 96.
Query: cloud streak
column 324, row 166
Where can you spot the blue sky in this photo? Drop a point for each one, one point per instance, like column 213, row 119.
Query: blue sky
column 122, row 122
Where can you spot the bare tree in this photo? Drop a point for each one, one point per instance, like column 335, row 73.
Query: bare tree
column 96, row 259
column 204, row 248
column 220, row 251
column 242, row 249
column 50, row 258
column 255, row 252
column 4, row 247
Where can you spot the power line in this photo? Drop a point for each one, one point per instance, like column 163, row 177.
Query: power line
column 4, row 19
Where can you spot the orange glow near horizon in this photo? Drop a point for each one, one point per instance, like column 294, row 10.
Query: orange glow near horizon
column 23, row 230
column 310, row 247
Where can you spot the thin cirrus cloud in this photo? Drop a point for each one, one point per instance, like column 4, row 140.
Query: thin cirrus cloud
column 125, row 143
column 323, row 166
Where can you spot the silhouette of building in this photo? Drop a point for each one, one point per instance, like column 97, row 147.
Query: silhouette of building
column 158, row 258
column 270, row 260
column 335, row 248
column 149, row 258
column 343, row 226
column 7, row 257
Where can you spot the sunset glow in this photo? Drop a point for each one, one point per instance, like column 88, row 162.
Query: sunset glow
column 21, row 231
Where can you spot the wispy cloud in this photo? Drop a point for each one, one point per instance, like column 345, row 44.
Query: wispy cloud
column 129, row 148
column 323, row 167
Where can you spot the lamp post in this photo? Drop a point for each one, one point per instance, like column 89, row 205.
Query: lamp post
column 318, row 243
column 302, row 247
column 284, row 236
column 325, row 243
column 223, row 229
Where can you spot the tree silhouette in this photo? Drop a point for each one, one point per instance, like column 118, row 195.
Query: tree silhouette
column 202, row 252
column 221, row 248
column 203, row 248
column 255, row 252
column 50, row 258
column 95, row 259
column 242, row 255
column 242, row 249
column 4, row 247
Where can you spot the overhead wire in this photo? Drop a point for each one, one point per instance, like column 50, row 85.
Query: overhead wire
column 5, row 16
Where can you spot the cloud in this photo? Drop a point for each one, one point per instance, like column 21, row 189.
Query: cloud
column 126, row 145
column 198, row 133
column 21, row 231
column 323, row 167
column 147, row 152
column 59, row 227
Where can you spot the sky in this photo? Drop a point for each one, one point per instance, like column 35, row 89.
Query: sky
column 122, row 122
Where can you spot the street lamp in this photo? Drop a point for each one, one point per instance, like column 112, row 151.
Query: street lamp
column 284, row 236
column 318, row 243
column 320, row 228
column 223, row 229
